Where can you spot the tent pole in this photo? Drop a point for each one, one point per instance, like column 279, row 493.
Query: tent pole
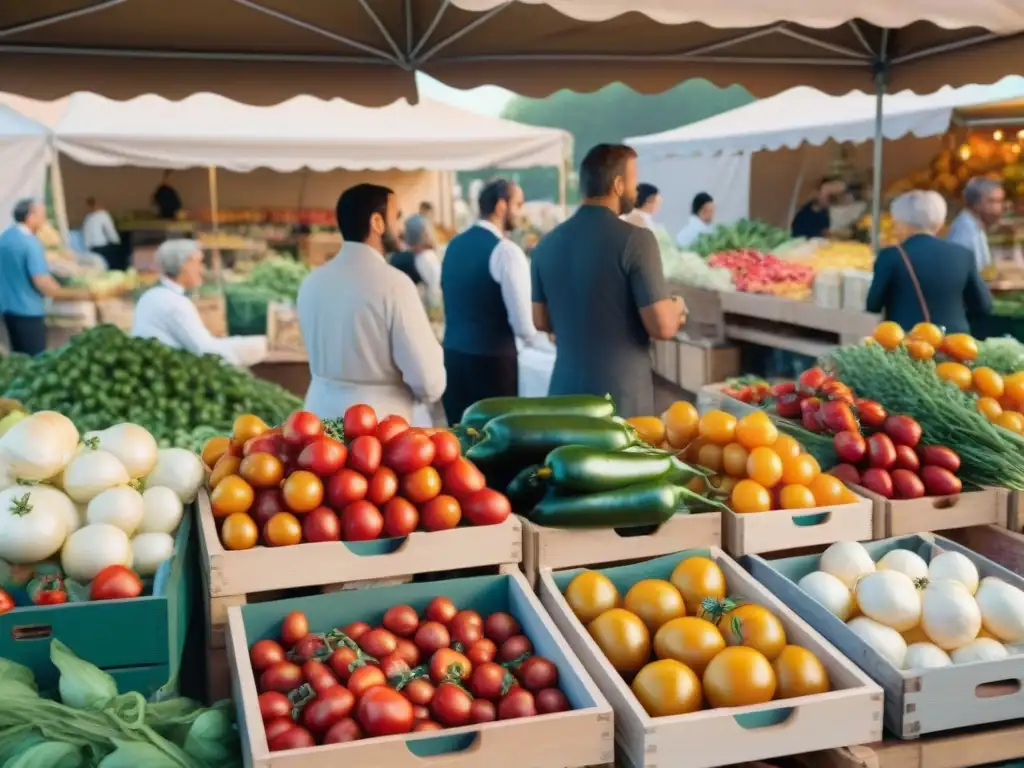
column 215, row 221
column 881, row 80
column 60, row 203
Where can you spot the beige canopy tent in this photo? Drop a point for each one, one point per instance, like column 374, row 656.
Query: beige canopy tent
column 263, row 51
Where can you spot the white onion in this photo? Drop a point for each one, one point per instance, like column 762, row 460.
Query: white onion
column 981, row 649
column 949, row 614
column 121, row 505
column 886, row 640
column 133, row 446
column 847, row 561
column 162, row 512
column 830, row 592
column 91, row 549
column 33, row 522
column 925, row 656
column 40, row 446
column 91, row 472
column 150, row 551
column 955, row 567
column 904, row 561
column 1002, row 609
column 180, row 470
column 890, row 598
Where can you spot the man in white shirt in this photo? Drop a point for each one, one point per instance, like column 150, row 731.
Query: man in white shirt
column 419, row 261
column 985, row 200
column 485, row 281
column 702, row 213
column 365, row 329
column 648, row 201
column 167, row 314
column 100, row 234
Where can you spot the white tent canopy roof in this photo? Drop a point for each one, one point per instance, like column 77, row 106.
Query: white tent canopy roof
column 804, row 115
column 303, row 132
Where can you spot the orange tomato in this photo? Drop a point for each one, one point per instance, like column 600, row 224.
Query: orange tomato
column 756, row 430
column 283, row 530
column 421, row 486
column 689, row 639
column 590, row 594
column 764, row 467
column 734, row 460
column 1013, row 387
column 693, row 449
column 721, row 483
column 920, row 350
column 888, row 334
column 667, row 687
column 718, row 427
column 232, row 495
column 957, row 373
column 303, row 491
column 698, row 484
column 754, row 626
column 623, row 638
column 214, row 448
column 926, row 332
column 987, row 382
column 960, row 346
column 750, row 496
column 698, row 578
column 226, row 465
column 247, row 427
column 1010, row 420
column 787, row 447
column 239, row 532
column 650, row 429
column 989, row 407
column 798, row 672
column 710, row 457
column 800, row 470
column 262, row 470
column 738, row 677
column 655, row 601
column 796, row 497
column 682, row 417
column 827, row 490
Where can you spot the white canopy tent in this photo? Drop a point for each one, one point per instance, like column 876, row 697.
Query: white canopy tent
column 24, row 154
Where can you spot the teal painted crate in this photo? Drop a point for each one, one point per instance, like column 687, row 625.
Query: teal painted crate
column 139, row 642
column 920, row 701
column 850, row 713
column 580, row 737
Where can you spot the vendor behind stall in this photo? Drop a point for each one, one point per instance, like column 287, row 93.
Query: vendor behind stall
column 100, row 235
column 984, row 201
column 812, row 220
column 166, row 199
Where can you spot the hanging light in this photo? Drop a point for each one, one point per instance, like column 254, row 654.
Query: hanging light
column 997, row 135
column 1015, row 149
column 964, row 152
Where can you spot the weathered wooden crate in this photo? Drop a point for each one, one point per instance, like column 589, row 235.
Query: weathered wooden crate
column 782, row 529
column 902, row 517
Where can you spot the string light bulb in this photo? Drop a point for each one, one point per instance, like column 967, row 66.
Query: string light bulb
column 1020, row 134
column 964, row 152
column 1015, row 149
column 997, row 135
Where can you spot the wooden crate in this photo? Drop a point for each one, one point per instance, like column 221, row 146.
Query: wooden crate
column 581, row 737
column 556, row 548
column 701, row 363
column 717, row 737
column 119, row 312
column 1015, row 511
column 704, row 318
column 213, row 310
column 666, row 359
column 920, row 701
column 237, row 578
column 902, row 517
column 781, row 529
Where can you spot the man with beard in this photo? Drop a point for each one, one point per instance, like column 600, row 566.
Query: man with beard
column 365, row 329
column 598, row 285
column 485, row 282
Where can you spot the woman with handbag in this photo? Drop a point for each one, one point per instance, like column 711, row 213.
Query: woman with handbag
column 924, row 278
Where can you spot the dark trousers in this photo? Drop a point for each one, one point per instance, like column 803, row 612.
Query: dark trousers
column 474, row 377
column 27, row 334
column 114, row 254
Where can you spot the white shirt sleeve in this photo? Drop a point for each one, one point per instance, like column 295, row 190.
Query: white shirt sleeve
column 510, row 269
column 108, row 228
column 188, row 330
column 429, row 267
column 415, row 348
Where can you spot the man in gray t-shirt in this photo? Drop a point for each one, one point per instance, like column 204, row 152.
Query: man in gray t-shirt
column 598, row 285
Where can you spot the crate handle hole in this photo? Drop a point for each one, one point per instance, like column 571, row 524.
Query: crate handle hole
column 376, row 547
column 808, row 521
column 32, row 632
column 997, row 688
column 751, row 721
column 435, row 746
column 946, row 502
column 636, row 530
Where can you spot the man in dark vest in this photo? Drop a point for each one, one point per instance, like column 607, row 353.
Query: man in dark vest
column 485, row 281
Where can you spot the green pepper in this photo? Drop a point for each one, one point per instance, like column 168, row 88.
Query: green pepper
column 649, row 503
column 524, row 439
column 527, row 489
column 577, row 469
column 481, row 412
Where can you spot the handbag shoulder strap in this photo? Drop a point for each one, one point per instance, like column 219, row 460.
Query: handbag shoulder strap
column 917, row 285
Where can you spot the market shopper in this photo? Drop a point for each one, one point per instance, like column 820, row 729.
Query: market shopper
column 813, row 219
column 598, row 285
column 100, row 235
column 485, row 281
column 419, row 260
column 984, row 201
column 366, row 332
column 702, row 214
column 925, row 278
column 26, row 282
column 648, row 201
column 166, row 199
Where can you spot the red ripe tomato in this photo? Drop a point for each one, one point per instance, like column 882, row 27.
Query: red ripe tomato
column 48, row 590
column 466, row 627
column 115, row 582
column 482, row 711
column 344, row 487
column 432, row 636
column 378, row 642
column 400, row 517
column 383, row 487
column 516, row 703
column 451, row 705
column 303, row 491
column 514, row 647
column 355, row 630
column 491, row 681
column 446, row 448
column 327, row 708
column 384, row 711
column 361, row 521
column 278, row 725
column 319, row 676
column 343, row 731
column 441, row 610
column 265, row 443
column 391, row 427
column 307, row 649
column 401, row 620
column 462, row 478
column 427, row 725
column 394, row 667
column 364, row 678
column 321, row 525
column 500, row 626
column 264, row 653
column 341, row 661
column 323, row 457
column 267, row 503
column 481, row 652
column 294, row 627
column 550, row 700
column 441, row 513
column 537, row 673
column 364, row 455
column 300, row 428
column 359, row 420
column 284, row 676
column 447, row 664
column 407, row 649
column 274, row 704
column 486, row 507
column 295, row 737
column 419, row 691
column 421, row 486
column 420, row 713
column 408, row 452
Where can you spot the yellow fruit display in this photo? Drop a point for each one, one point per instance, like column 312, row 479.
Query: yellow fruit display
column 667, row 687
column 655, row 601
column 590, row 594
column 737, row 677
column 698, row 578
column 691, row 640
column 623, row 638
column 798, row 672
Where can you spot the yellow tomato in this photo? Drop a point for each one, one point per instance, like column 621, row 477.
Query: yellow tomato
column 787, row 447
column 722, row 483
column 796, row 497
column 682, row 417
column 680, row 438
column 926, row 332
column 214, row 449
column 987, row 382
column 798, row 672
column 698, row 578
column 889, row 334
column 750, row 496
column 920, row 350
column 738, row 677
column 231, row 495
column 246, row 427
column 827, row 490
column 989, row 407
column 239, row 532
column 590, row 594
column 655, row 601
column 689, row 639
column 754, row 626
column 960, row 346
column 650, row 429
column 226, row 466
column 667, row 687
column 800, row 470
column 718, row 427
column 698, row 484
column 955, row 372
column 623, row 638
column 1010, row 420
column 734, row 460
column 710, row 457
column 764, row 467
column 756, row 430
column 1013, row 386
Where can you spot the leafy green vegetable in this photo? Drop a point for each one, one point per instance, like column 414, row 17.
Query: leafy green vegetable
column 10, row 670
column 132, row 754
column 14, row 741
column 82, row 685
column 1005, row 355
column 12, row 366
column 741, row 235
column 47, row 754
column 211, row 737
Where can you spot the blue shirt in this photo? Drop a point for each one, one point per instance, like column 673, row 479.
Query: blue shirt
column 22, row 257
